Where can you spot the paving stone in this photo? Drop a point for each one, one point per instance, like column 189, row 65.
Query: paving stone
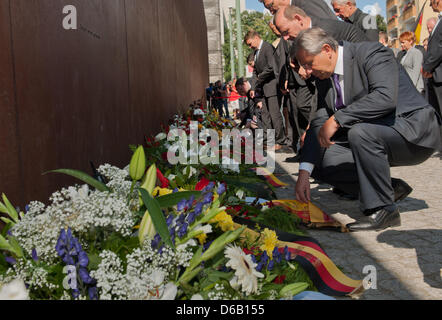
column 408, row 259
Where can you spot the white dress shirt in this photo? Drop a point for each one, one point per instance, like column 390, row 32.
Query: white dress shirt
column 259, row 50
column 339, row 70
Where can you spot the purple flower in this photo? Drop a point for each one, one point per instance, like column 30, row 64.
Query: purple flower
column 34, row 255
column 181, row 206
column 93, row 293
column 221, row 189
column 287, row 255
column 84, row 276
column 271, row 265
column 191, row 217
column 183, row 230
column 207, row 198
column 209, row 187
column 10, row 260
column 264, row 257
column 276, row 255
column 260, row 266
column 198, row 208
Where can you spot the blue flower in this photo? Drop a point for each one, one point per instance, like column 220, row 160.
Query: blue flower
column 34, row 255
column 198, row 208
column 276, row 255
column 221, row 189
column 10, row 260
column 264, row 257
column 260, row 266
column 207, row 199
column 183, row 230
column 93, row 293
column 181, row 206
column 209, row 187
column 191, row 217
column 271, row 265
column 287, row 255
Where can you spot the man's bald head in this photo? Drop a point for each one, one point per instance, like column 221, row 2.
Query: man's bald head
column 290, row 21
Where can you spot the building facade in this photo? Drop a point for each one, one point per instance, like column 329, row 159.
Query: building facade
column 212, row 11
column 402, row 15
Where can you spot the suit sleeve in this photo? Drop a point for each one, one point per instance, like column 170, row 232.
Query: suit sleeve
column 269, row 71
column 382, row 75
column 433, row 57
column 417, row 59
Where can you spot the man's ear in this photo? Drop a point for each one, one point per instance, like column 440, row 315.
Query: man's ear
column 327, row 50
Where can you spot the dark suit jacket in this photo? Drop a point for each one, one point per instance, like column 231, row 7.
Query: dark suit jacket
column 315, row 8
column 433, row 57
column 377, row 89
column 264, row 73
column 357, row 19
column 340, row 30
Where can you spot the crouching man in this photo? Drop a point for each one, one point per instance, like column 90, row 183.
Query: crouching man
column 370, row 117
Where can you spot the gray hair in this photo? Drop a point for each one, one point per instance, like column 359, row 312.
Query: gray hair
column 341, row 2
column 312, row 40
column 432, row 19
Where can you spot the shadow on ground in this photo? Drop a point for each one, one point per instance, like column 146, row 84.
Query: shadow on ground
column 428, row 246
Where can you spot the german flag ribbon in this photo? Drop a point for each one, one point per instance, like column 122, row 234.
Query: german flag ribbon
column 325, row 275
column 271, row 178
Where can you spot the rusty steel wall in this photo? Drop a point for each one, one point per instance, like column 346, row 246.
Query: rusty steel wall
column 68, row 97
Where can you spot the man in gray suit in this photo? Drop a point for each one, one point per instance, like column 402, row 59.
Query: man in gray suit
column 432, row 67
column 347, row 11
column 369, row 117
column 314, row 8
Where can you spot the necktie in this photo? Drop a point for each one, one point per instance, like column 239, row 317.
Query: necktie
column 339, row 103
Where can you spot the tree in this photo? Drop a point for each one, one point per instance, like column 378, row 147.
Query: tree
column 250, row 20
column 380, row 21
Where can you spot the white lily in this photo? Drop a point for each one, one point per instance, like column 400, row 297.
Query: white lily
column 15, row 290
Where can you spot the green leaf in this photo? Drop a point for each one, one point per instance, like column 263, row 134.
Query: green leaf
column 10, row 208
column 137, row 165
column 83, row 177
column 172, row 199
column 157, row 216
column 293, row 289
column 15, row 245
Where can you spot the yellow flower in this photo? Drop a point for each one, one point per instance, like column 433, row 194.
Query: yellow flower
column 161, row 192
column 202, row 238
column 224, row 221
column 269, row 241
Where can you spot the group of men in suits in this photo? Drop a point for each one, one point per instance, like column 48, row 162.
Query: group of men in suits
column 361, row 113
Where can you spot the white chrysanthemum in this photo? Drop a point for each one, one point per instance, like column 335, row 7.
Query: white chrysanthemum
column 244, row 269
column 15, row 290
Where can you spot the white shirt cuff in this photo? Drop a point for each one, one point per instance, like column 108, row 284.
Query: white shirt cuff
column 307, row 166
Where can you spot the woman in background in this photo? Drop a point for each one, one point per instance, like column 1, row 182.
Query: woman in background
column 412, row 60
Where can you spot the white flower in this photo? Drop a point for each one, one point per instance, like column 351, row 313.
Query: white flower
column 244, row 269
column 206, row 228
column 197, row 297
column 15, row 290
column 79, row 195
column 169, row 292
column 160, row 136
column 240, row 193
column 198, row 112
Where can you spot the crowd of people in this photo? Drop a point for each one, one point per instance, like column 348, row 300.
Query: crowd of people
column 343, row 102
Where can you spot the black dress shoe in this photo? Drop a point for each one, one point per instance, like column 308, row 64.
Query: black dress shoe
column 401, row 189
column 383, row 218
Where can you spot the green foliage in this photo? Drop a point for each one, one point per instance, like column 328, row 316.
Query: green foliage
column 280, row 219
column 83, row 177
column 380, row 21
column 250, row 20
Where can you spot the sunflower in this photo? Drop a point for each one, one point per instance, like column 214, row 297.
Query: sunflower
column 244, row 267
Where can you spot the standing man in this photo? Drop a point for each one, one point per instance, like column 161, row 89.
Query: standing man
column 314, row 8
column 347, row 11
column 432, row 67
column 369, row 117
column 264, row 76
column 431, row 22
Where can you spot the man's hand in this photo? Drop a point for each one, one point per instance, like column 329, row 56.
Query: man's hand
column 427, row 75
column 259, row 105
column 327, row 131
column 302, row 189
column 285, row 90
column 252, row 94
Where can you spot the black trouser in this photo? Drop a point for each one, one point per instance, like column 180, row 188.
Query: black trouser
column 361, row 166
column 435, row 95
column 272, row 118
column 300, row 101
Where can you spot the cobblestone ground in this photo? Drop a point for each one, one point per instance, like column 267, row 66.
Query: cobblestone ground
column 408, row 259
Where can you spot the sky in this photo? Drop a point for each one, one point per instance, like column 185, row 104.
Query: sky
column 378, row 4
